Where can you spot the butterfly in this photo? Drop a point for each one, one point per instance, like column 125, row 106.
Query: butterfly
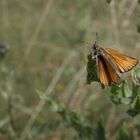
column 110, row 64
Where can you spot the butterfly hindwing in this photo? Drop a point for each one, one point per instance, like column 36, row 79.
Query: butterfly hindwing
column 107, row 72
column 123, row 62
column 103, row 75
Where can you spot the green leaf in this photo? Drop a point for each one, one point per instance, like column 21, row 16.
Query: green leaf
column 126, row 91
column 122, row 94
column 132, row 112
column 99, row 132
column 47, row 126
column 135, row 107
column 114, row 89
column 137, row 72
column 74, row 120
column 115, row 99
column 136, row 104
column 91, row 70
column 70, row 119
column 136, row 91
column 125, row 101
column 124, row 134
column 115, row 94
column 136, row 76
column 55, row 106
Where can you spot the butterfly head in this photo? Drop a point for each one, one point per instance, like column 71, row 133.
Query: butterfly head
column 95, row 49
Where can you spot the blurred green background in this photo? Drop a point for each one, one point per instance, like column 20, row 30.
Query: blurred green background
column 46, row 53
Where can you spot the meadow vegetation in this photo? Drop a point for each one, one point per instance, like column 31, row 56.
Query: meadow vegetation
column 44, row 93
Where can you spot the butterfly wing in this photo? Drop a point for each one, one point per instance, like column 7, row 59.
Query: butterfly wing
column 123, row 62
column 103, row 75
column 107, row 72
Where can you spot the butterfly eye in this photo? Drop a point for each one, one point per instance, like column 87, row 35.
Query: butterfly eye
column 94, row 47
column 95, row 53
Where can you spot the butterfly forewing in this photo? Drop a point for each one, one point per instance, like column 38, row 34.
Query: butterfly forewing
column 123, row 62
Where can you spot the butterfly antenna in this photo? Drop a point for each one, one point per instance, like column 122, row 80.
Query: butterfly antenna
column 87, row 42
column 97, row 37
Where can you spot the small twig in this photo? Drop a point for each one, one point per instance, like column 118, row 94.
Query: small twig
column 5, row 15
column 122, row 9
column 114, row 20
column 77, row 98
column 73, row 99
column 72, row 84
column 38, row 28
column 11, row 116
column 129, row 12
column 92, row 98
column 131, row 8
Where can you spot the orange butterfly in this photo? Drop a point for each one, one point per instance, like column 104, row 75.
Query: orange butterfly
column 110, row 64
